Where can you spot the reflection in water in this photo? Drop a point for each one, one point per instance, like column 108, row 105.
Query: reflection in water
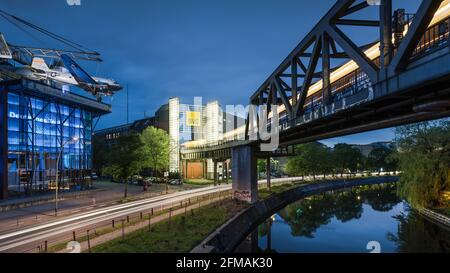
column 346, row 221
column 418, row 235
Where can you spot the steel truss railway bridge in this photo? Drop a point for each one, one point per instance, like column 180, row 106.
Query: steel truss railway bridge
column 402, row 78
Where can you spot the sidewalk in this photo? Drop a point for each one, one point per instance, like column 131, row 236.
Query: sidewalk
column 23, row 202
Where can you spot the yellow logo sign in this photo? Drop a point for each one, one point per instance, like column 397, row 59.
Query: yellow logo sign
column 193, row 119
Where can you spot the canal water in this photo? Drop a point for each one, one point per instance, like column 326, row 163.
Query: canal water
column 359, row 220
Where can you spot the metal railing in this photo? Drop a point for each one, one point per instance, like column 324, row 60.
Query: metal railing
column 434, row 38
column 444, row 220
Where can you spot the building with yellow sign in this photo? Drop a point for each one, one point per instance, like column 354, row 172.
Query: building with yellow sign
column 197, row 121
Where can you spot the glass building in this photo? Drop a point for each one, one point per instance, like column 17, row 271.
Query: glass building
column 40, row 127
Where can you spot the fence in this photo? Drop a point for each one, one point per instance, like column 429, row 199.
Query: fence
column 444, row 220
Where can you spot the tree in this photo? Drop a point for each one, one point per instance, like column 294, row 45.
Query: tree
column 378, row 159
column 325, row 160
column 261, row 166
column 423, row 157
column 296, row 166
column 100, row 153
column 313, row 158
column 155, row 147
column 125, row 159
column 346, row 157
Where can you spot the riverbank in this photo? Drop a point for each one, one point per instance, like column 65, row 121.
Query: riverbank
column 230, row 234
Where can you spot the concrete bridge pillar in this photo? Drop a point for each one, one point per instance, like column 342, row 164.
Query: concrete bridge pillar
column 185, row 169
column 244, row 174
column 216, row 177
column 205, row 169
column 225, row 168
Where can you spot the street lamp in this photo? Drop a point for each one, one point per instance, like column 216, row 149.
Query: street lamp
column 70, row 141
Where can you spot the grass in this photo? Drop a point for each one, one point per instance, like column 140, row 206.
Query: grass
column 105, row 230
column 199, row 182
column 265, row 193
column 180, row 236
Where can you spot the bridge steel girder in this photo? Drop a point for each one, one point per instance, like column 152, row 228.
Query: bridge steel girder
column 394, row 108
column 420, row 23
column 327, row 30
column 314, row 37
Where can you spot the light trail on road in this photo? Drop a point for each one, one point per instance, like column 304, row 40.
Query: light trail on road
column 40, row 232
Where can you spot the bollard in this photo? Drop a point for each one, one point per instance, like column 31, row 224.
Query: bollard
column 45, row 246
column 39, row 249
column 141, row 215
column 128, row 219
column 152, row 211
column 123, row 229
column 170, row 216
column 149, row 222
column 88, row 241
column 189, row 201
column 113, row 224
column 74, row 237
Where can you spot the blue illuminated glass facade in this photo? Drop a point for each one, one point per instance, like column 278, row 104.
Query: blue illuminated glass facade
column 38, row 131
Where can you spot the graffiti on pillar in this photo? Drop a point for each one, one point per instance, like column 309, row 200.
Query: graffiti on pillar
column 242, row 195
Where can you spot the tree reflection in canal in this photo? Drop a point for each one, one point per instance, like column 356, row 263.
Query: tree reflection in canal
column 305, row 216
column 345, row 221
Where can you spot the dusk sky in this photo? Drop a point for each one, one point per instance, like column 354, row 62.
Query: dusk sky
column 218, row 49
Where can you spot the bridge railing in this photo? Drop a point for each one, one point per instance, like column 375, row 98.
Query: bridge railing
column 434, row 38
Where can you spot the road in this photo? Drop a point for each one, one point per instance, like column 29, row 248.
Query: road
column 27, row 238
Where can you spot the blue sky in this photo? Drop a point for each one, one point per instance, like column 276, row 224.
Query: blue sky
column 217, row 49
